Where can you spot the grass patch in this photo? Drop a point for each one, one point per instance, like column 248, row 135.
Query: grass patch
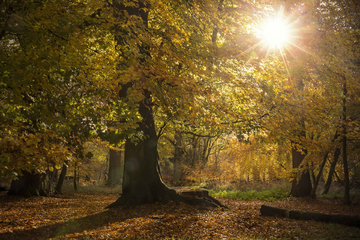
column 268, row 195
column 331, row 195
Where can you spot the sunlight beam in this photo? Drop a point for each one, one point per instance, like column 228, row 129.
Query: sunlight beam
column 275, row 32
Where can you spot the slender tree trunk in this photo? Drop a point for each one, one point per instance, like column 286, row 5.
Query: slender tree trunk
column 78, row 175
column 29, row 184
column 331, row 171
column 115, row 168
column 312, row 174
column 75, row 186
column 177, row 158
column 346, row 170
column 256, row 174
column 338, row 178
column 317, row 178
column 301, row 185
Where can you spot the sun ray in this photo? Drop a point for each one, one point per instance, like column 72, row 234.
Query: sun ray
column 276, row 35
column 275, row 31
column 283, row 56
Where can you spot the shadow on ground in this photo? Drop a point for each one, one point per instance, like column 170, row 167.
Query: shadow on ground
column 72, row 226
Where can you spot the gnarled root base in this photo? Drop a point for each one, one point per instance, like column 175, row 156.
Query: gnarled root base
column 198, row 198
column 135, row 198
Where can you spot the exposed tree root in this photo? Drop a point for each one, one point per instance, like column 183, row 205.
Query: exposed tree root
column 200, row 198
column 349, row 220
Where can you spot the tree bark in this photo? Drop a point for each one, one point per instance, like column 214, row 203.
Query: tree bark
column 51, row 177
column 75, row 186
column 177, row 158
column 348, row 220
column 301, row 185
column 28, row 185
column 338, row 179
column 273, row 211
column 346, row 170
column 60, row 182
column 331, row 171
column 317, row 178
column 142, row 183
column 115, row 168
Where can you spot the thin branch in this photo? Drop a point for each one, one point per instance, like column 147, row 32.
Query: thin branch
column 262, row 116
column 199, row 135
column 162, row 128
column 57, row 35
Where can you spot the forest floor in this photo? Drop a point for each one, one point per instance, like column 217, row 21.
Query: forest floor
column 83, row 216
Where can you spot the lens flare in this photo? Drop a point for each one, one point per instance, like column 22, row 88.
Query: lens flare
column 275, row 33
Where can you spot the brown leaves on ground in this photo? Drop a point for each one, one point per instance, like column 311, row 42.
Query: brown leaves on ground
column 83, row 216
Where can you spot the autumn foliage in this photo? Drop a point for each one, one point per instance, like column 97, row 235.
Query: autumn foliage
column 82, row 216
column 192, row 95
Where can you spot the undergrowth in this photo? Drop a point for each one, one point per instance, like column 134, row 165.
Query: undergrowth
column 255, row 191
column 268, row 195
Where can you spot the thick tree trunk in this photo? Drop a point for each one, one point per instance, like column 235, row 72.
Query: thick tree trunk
column 301, row 185
column 29, row 184
column 51, row 177
column 115, row 168
column 142, row 183
column 60, row 182
column 177, row 158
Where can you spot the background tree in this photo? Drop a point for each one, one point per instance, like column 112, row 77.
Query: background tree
column 54, row 91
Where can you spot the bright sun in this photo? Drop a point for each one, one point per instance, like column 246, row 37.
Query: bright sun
column 275, row 33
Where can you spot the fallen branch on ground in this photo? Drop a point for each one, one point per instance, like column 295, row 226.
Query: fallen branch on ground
column 349, row 220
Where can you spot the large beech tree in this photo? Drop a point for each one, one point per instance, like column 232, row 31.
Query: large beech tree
column 142, row 182
column 180, row 58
